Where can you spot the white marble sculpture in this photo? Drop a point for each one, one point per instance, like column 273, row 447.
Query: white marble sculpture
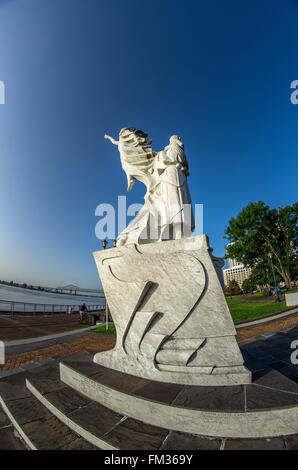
column 166, row 295
column 167, row 212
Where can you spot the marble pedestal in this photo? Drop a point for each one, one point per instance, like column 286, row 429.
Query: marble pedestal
column 172, row 320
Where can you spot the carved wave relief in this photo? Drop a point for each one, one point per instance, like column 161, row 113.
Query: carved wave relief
column 162, row 292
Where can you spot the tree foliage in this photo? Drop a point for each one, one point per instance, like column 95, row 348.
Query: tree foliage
column 257, row 231
column 248, row 285
column 233, row 287
column 233, row 283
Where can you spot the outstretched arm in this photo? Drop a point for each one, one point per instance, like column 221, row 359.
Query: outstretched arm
column 115, row 142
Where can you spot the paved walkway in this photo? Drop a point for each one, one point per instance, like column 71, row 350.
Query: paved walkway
column 90, row 342
column 22, row 327
column 22, row 354
column 271, row 351
column 250, row 331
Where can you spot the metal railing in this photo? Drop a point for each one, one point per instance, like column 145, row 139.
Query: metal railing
column 27, row 308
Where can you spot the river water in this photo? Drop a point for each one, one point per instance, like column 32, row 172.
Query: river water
column 44, row 300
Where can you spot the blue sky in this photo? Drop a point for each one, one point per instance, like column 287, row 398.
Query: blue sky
column 216, row 73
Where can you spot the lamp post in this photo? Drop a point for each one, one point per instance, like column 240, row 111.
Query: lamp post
column 104, row 244
column 276, row 291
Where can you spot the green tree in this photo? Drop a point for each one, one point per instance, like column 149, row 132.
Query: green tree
column 233, row 283
column 233, row 287
column 247, row 285
column 258, row 230
column 263, row 276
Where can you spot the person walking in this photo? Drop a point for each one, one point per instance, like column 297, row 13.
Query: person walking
column 83, row 313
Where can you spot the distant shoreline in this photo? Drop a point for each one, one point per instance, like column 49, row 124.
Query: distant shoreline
column 15, row 299
column 75, row 290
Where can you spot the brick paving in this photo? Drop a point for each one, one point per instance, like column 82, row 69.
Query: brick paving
column 23, row 327
column 91, row 342
column 10, row 331
column 250, row 332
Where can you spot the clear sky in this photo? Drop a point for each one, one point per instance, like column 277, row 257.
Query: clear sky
column 215, row 72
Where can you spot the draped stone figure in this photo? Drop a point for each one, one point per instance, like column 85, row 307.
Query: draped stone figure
column 167, row 213
column 166, row 298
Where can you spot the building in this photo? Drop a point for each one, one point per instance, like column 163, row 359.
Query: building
column 236, row 271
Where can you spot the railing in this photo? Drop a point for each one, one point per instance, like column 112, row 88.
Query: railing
column 43, row 308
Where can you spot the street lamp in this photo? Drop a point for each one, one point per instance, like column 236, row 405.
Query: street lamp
column 276, row 291
column 104, row 244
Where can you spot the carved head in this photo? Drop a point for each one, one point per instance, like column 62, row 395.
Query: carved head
column 138, row 137
column 175, row 139
column 125, row 131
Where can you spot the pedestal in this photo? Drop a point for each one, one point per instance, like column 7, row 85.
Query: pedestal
column 172, row 320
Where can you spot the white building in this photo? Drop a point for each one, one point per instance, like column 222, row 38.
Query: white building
column 236, row 271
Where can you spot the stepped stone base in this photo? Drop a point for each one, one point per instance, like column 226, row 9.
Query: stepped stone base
column 246, row 411
column 78, row 404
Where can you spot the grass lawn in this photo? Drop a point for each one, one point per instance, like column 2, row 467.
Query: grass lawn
column 239, row 310
column 102, row 329
column 244, row 310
